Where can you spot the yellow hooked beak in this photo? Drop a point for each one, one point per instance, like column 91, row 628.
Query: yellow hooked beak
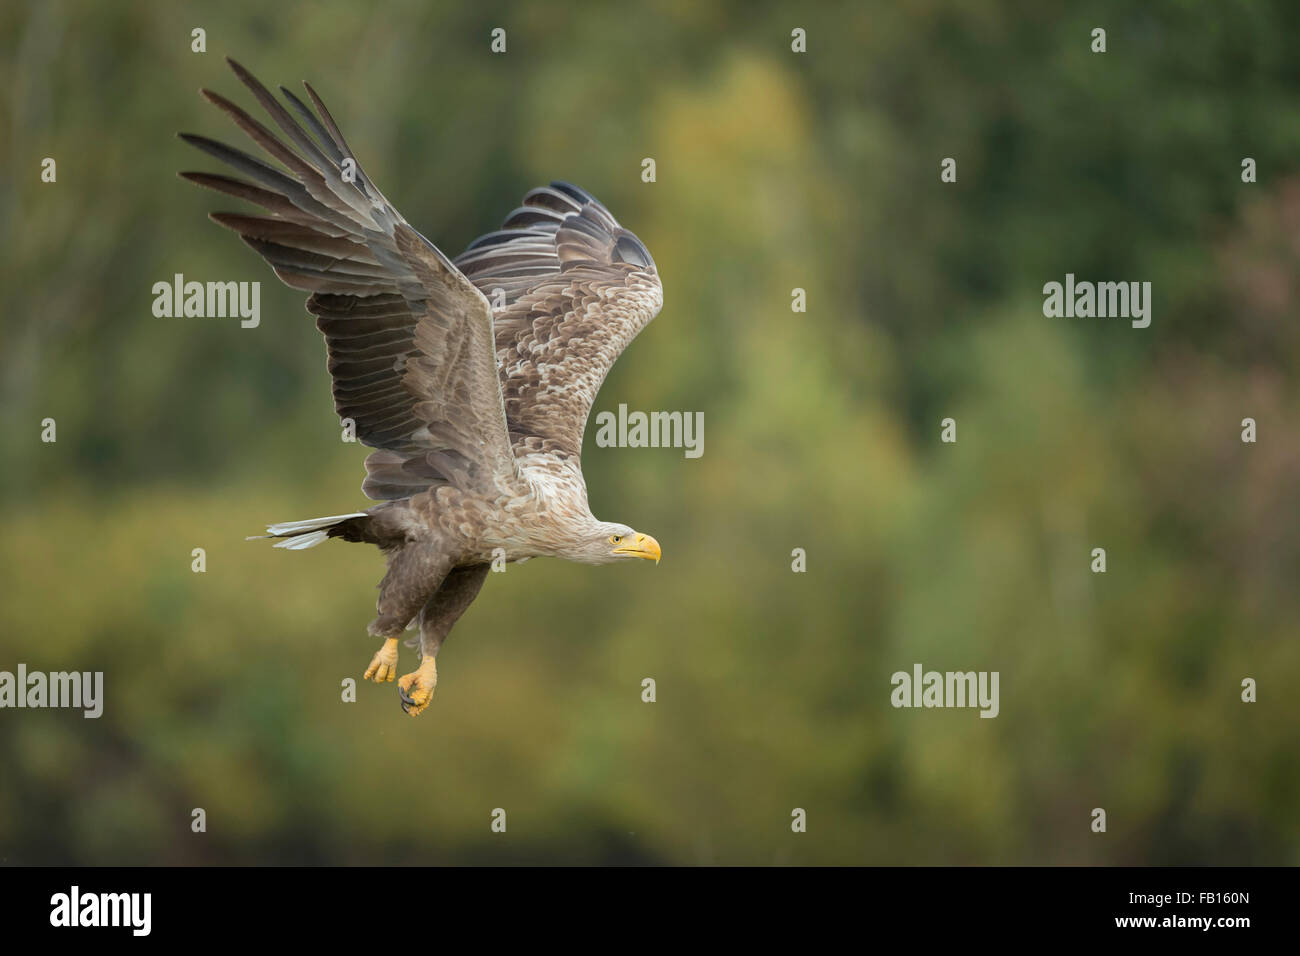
column 642, row 546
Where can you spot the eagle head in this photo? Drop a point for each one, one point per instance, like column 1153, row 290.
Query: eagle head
column 612, row 542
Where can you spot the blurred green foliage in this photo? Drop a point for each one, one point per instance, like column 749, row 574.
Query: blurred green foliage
column 775, row 171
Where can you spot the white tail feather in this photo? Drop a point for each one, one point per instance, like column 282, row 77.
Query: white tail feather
column 304, row 534
column 300, row 541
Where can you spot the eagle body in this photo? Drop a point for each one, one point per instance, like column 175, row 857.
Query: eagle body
column 472, row 379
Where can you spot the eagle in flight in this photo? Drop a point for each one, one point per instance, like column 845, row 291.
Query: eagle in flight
column 472, row 379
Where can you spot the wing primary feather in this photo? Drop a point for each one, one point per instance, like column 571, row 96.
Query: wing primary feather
column 279, row 114
column 309, row 117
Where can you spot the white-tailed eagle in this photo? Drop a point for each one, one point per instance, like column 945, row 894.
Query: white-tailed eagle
column 472, row 379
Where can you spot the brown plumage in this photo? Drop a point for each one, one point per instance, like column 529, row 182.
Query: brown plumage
column 476, row 415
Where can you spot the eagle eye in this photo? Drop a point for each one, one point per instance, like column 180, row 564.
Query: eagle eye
column 615, row 538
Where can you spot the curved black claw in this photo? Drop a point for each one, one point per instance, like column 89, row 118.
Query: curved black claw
column 407, row 703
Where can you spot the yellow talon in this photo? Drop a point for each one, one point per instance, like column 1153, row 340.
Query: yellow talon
column 383, row 666
column 416, row 688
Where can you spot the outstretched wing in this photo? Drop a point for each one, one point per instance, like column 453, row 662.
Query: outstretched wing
column 410, row 339
column 572, row 288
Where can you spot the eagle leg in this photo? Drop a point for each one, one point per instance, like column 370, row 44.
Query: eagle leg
column 437, row 617
column 416, row 571
column 383, row 666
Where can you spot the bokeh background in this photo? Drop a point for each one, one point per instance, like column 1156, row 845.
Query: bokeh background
column 775, row 171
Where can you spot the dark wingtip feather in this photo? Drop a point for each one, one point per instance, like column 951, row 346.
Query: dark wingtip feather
column 322, row 134
column 245, row 77
column 577, row 192
column 327, row 119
